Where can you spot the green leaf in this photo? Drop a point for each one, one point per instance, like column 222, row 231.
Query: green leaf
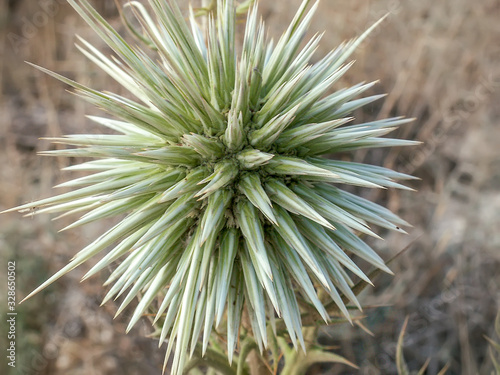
column 269, row 131
column 350, row 242
column 121, row 229
column 330, row 211
column 251, row 186
column 289, row 232
column 235, row 304
column 288, row 306
column 173, row 155
column 318, row 237
column 255, row 296
column 283, row 165
column 290, row 260
column 227, row 254
column 286, row 198
column 181, row 209
column 300, row 135
column 279, row 60
column 251, row 228
column 213, row 217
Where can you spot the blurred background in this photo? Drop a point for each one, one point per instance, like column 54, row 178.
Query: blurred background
column 439, row 61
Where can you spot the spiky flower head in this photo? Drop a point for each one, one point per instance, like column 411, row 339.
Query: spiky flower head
column 230, row 206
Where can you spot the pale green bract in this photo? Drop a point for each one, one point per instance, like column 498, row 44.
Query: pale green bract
column 218, row 167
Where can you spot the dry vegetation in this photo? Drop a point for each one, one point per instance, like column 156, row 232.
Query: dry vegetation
column 438, row 60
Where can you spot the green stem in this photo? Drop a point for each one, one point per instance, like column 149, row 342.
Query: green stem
column 248, row 345
column 295, row 361
column 273, row 345
column 212, row 359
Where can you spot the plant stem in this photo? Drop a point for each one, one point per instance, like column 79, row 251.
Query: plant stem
column 248, row 345
column 212, row 359
column 295, row 361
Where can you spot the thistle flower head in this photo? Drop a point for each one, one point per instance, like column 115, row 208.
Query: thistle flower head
column 217, row 164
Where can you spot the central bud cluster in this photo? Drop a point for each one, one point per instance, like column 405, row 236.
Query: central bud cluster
column 217, row 162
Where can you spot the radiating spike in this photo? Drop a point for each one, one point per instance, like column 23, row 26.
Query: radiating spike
column 227, row 254
column 317, row 235
column 332, row 212
column 270, row 131
column 290, row 201
column 235, row 300
column 289, row 232
column 290, row 260
column 251, row 186
column 214, row 213
column 255, row 296
column 251, row 229
column 283, row 165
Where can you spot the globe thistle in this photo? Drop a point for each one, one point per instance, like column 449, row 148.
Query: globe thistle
column 218, row 165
